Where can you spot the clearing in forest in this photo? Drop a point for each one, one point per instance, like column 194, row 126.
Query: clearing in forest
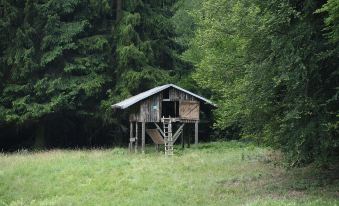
column 220, row 173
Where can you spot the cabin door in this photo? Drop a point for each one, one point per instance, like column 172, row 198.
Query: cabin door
column 189, row 110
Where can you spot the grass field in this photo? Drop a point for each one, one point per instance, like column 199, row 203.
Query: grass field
column 223, row 173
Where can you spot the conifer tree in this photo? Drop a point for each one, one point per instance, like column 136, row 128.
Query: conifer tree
column 68, row 61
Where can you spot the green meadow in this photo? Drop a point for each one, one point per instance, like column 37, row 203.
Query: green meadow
column 219, row 173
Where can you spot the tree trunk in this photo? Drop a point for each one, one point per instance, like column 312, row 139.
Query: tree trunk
column 118, row 9
column 39, row 141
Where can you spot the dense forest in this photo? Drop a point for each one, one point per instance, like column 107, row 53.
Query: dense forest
column 271, row 67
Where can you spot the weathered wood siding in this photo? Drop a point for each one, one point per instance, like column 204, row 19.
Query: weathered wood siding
column 189, row 110
column 149, row 110
column 175, row 94
column 134, row 115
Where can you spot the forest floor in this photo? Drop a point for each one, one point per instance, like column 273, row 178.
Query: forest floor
column 220, row 173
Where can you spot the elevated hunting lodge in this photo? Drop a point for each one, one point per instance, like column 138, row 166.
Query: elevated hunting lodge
column 168, row 105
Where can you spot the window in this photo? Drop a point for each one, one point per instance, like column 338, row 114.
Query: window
column 170, row 109
column 165, row 94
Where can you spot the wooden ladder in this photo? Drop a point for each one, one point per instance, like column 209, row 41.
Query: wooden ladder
column 168, row 136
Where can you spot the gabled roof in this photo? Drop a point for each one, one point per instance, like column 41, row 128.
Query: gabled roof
column 137, row 98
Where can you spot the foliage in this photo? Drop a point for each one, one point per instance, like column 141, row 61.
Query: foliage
column 271, row 66
column 332, row 19
column 272, row 72
column 145, row 49
column 69, row 61
column 55, row 61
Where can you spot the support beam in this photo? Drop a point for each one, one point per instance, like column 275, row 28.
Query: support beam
column 160, row 130
column 143, row 127
column 130, row 145
column 196, row 132
column 136, row 137
column 178, row 132
column 182, row 139
column 189, row 136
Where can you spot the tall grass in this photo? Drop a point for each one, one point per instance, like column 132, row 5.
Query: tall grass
column 221, row 173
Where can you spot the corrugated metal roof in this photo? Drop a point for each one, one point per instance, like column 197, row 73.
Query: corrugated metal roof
column 137, row 98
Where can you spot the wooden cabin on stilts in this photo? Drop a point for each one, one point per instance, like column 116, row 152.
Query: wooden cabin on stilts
column 167, row 108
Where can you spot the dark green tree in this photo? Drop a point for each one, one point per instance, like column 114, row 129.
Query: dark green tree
column 63, row 63
column 273, row 71
column 57, row 59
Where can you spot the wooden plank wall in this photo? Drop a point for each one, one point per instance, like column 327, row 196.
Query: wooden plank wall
column 149, row 110
column 175, row 94
column 189, row 110
column 134, row 115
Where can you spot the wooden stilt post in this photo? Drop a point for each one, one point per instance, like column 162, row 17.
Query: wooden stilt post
column 130, row 146
column 143, row 125
column 196, row 132
column 182, row 139
column 189, row 136
column 136, row 137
